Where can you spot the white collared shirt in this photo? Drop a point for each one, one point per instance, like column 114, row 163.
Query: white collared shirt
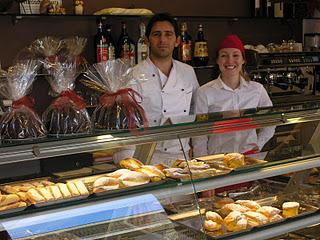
column 216, row 96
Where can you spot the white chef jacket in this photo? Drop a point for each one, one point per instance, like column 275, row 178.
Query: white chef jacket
column 216, row 96
column 174, row 100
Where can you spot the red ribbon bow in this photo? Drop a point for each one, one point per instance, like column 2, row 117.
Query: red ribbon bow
column 128, row 98
column 72, row 96
column 24, row 101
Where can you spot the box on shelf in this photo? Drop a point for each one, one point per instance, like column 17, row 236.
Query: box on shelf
column 33, row 6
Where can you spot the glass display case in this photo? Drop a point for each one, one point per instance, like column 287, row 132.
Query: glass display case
column 249, row 174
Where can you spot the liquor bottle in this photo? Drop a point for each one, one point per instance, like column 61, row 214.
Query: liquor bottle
column 185, row 47
column 201, row 56
column 100, row 45
column 278, row 9
column 270, row 9
column 142, row 46
column 126, row 47
column 111, row 44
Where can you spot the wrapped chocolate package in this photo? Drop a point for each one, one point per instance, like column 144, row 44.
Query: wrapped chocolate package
column 67, row 114
column 119, row 106
column 20, row 122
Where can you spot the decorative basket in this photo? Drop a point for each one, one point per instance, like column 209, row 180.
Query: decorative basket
column 33, row 6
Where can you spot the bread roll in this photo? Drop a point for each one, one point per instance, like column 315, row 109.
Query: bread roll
column 211, row 226
column 22, row 196
column 73, row 189
column 118, row 173
column 220, row 203
column 81, row 188
column 275, row 218
column 106, row 181
column 228, row 208
column 10, row 189
column 55, row 191
column 130, row 163
column 45, row 193
column 8, row 199
column 269, row 211
column 133, row 179
column 154, row 173
column 252, row 205
column 161, row 167
column 214, row 217
column 235, row 221
column 64, row 190
column 13, row 205
column 255, row 218
column 34, row 196
column 290, row 209
column 234, row 160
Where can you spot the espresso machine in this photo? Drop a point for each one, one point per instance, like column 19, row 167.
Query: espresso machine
column 286, row 74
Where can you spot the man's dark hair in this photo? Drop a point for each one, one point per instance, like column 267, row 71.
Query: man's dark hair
column 162, row 17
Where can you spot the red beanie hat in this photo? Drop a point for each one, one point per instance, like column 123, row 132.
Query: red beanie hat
column 232, row 41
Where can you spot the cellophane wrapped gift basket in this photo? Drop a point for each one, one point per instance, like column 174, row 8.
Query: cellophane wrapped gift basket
column 119, row 104
column 67, row 114
column 20, row 122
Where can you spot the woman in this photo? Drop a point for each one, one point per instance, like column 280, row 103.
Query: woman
column 232, row 90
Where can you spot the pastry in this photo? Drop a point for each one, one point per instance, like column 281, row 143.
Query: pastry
column 235, row 221
column 269, row 211
column 64, row 190
column 193, row 164
column 220, row 203
column 214, row 217
column 13, row 205
column 55, row 191
column 130, row 163
column 255, row 218
column 8, row 199
column 234, row 160
column 275, row 218
column 45, row 193
column 154, row 173
column 81, row 188
column 176, row 163
column 211, row 158
column 112, row 183
column 133, row 179
column 252, row 205
column 22, row 196
column 73, row 189
column 161, row 167
column 226, row 209
column 290, row 209
column 176, row 173
column 211, row 226
column 25, row 187
column 34, row 196
column 10, row 189
column 118, row 173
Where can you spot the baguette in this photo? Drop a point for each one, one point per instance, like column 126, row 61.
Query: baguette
column 34, row 196
column 8, row 199
column 13, row 205
column 73, row 189
column 55, row 191
column 81, row 188
column 106, row 181
column 118, row 173
column 64, row 190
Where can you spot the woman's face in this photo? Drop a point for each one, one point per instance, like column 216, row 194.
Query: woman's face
column 230, row 61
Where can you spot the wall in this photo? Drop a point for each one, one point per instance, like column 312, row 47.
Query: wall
column 17, row 34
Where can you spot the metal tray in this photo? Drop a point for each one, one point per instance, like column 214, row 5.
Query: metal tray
column 13, row 210
column 49, row 203
column 124, row 190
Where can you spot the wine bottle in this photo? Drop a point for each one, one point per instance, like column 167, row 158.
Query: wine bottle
column 270, row 9
column 100, row 45
column 126, row 48
column 201, row 56
column 185, row 47
column 110, row 42
column 142, row 47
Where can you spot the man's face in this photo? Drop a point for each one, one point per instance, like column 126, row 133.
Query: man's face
column 162, row 40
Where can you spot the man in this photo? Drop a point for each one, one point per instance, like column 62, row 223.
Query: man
column 167, row 85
